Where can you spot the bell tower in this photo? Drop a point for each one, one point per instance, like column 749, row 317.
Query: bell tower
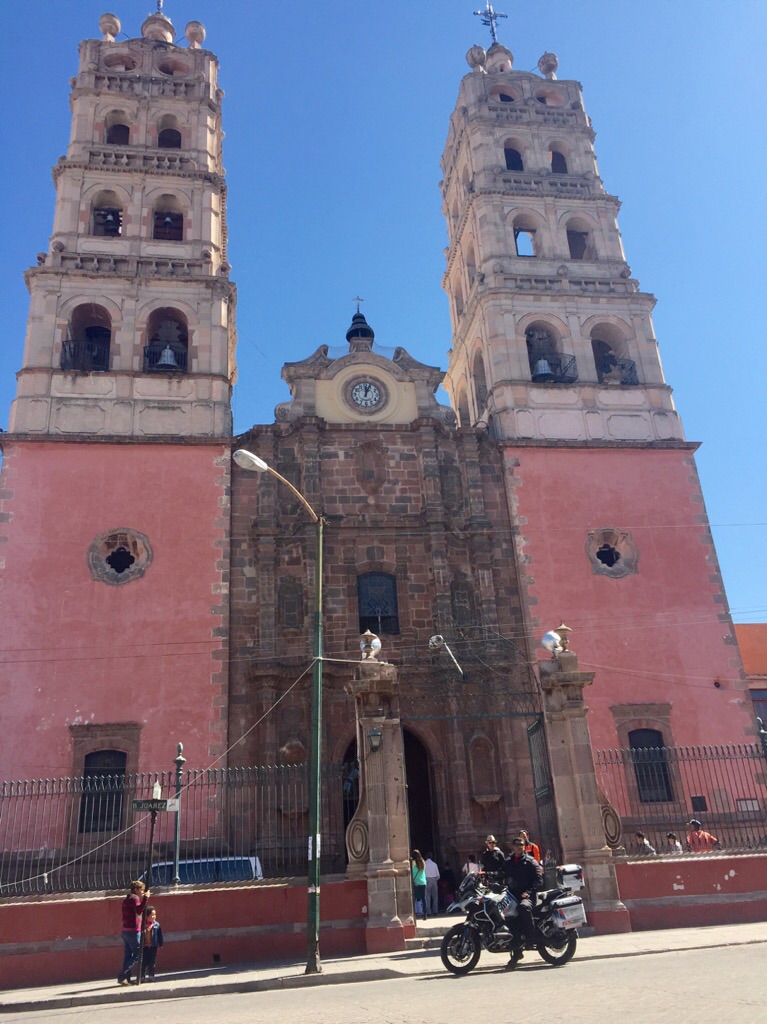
column 554, row 358
column 552, row 337
column 114, row 501
column 131, row 325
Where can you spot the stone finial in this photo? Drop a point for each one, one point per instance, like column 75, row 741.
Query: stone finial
column 476, row 58
column 159, row 28
column 564, row 635
column 499, row 59
column 110, row 27
column 195, row 34
column 548, row 65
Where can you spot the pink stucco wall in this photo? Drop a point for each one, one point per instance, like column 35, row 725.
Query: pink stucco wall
column 662, row 635
column 57, row 940
column 74, row 650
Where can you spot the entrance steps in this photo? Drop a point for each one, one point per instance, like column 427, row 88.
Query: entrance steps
column 429, row 934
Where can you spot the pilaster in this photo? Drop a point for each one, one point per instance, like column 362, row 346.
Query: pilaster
column 575, row 787
column 377, row 836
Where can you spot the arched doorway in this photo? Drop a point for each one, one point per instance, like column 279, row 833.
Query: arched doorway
column 424, row 835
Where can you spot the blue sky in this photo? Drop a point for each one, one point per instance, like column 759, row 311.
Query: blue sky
column 335, row 117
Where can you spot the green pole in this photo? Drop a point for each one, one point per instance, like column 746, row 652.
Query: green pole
column 313, row 965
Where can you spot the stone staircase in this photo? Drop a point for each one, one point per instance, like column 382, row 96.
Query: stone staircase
column 429, row 934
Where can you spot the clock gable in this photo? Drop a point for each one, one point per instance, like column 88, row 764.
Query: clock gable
column 360, row 384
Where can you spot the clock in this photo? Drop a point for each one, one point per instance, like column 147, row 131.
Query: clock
column 366, row 394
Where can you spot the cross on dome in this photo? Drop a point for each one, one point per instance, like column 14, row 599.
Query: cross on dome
column 489, row 18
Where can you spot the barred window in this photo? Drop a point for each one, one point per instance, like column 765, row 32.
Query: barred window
column 101, row 803
column 377, row 601
column 650, row 766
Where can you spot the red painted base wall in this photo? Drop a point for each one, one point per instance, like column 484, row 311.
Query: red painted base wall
column 51, row 941
column 688, row 891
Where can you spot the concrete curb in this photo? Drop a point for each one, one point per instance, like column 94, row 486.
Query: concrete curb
column 182, row 990
column 145, row 993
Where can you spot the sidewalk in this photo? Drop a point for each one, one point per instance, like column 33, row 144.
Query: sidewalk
column 419, row 962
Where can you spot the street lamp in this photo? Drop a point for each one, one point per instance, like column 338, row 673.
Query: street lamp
column 247, row 460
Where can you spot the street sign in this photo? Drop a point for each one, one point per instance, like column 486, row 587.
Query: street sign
column 150, row 805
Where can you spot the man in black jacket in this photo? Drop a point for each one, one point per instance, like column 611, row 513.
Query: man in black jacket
column 493, row 860
column 524, row 877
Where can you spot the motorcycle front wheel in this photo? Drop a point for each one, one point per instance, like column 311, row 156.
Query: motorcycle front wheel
column 460, row 949
column 557, row 949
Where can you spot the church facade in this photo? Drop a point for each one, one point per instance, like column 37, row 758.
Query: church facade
column 558, row 485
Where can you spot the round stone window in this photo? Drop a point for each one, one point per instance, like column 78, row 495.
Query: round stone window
column 119, row 556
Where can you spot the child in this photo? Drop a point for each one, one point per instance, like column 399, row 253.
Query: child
column 152, row 941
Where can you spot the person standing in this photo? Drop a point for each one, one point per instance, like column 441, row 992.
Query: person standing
column 132, row 916
column 674, row 846
column 447, row 886
column 432, row 885
column 152, row 941
column 700, row 841
column 643, row 845
column 492, row 859
column 471, row 867
column 418, row 873
column 524, row 877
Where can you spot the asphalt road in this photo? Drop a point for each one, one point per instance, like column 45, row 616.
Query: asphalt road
column 725, row 985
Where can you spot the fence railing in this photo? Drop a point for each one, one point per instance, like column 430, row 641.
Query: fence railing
column 656, row 790
column 81, row 834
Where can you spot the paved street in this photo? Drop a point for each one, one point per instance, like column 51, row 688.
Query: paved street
column 726, row 985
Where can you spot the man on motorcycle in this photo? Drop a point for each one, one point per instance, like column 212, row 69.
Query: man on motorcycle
column 524, row 877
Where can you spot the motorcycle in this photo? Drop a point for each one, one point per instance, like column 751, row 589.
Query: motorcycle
column 491, row 912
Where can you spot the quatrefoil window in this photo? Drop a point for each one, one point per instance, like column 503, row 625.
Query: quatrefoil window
column 119, row 556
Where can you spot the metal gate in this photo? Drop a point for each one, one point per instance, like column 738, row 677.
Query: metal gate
column 543, row 788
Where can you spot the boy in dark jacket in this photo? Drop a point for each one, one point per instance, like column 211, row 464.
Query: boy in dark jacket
column 152, row 941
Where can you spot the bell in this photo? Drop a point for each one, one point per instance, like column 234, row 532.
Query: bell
column 168, row 221
column 167, row 358
column 110, row 218
column 542, row 371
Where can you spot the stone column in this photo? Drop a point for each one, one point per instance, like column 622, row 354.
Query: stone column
column 575, row 790
column 377, row 836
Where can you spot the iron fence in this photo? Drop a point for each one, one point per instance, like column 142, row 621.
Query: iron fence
column 81, row 834
column 657, row 790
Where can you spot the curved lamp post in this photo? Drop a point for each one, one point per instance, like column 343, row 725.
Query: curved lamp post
column 247, row 460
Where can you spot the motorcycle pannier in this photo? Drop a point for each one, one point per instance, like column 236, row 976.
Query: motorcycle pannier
column 568, row 912
column 570, row 876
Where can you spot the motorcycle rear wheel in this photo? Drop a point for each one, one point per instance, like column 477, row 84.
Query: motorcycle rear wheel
column 558, row 949
column 460, row 949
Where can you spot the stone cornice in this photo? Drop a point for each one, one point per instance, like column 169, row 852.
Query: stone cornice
column 83, row 438
column 200, row 174
column 669, row 445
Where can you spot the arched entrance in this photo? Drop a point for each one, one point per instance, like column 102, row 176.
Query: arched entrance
column 424, row 834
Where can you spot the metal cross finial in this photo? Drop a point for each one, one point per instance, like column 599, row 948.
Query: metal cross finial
column 159, row 6
column 489, row 17
column 358, row 300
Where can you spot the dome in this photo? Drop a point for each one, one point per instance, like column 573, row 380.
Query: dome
column 159, row 28
column 499, row 58
column 360, row 329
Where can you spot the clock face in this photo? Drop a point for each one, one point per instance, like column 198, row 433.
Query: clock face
column 366, row 394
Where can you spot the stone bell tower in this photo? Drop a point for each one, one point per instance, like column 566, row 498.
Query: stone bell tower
column 131, row 323
column 115, row 474
column 552, row 337
column 554, row 356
